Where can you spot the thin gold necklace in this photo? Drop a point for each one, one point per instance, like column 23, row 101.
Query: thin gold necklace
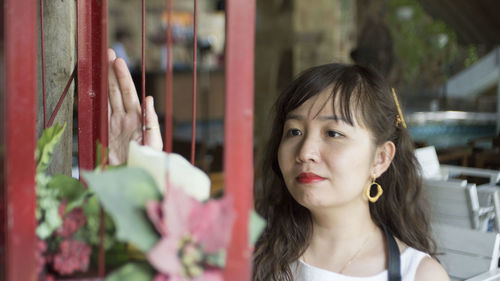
column 353, row 257
column 356, row 254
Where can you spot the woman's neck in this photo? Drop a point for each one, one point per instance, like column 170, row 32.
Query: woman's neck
column 341, row 222
column 339, row 234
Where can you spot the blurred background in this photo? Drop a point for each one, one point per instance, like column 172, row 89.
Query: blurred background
column 441, row 56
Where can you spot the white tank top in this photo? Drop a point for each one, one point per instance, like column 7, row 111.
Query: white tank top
column 410, row 259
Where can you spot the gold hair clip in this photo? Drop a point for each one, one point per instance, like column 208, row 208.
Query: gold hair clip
column 399, row 118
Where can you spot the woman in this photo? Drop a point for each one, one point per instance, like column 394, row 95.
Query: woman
column 339, row 172
column 337, row 134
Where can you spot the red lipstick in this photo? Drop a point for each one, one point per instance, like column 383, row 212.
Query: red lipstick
column 309, row 178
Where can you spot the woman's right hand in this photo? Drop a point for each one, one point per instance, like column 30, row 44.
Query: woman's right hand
column 124, row 113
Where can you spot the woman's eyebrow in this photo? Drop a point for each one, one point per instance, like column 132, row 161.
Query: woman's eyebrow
column 320, row 118
column 295, row 117
column 331, row 118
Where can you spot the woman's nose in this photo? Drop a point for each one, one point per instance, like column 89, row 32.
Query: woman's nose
column 308, row 150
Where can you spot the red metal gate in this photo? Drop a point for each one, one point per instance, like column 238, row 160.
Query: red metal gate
column 17, row 123
column 17, row 139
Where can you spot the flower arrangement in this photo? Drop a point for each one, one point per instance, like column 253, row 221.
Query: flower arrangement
column 67, row 216
column 160, row 204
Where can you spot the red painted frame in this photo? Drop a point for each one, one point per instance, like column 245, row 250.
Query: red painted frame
column 238, row 130
column 92, row 86
column 92, row 73
column 168, row 82
column 19, row 114
column 18, row 139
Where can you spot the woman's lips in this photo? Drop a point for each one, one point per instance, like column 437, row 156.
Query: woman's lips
column 309, row 178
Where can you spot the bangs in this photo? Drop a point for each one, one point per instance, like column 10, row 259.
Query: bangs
column 347, row 92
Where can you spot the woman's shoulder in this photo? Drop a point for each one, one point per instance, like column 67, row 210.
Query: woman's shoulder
column 430, row 269
column 419, row 265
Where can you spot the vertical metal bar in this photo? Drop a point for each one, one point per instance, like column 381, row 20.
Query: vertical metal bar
column 195, row 78
column 101, row 51
column 92, row 79
column 238, row 130
column 42, row 50
column 169, row 80
column 85, row 87
column 498, row 93
column 18, row 139
column 92, row 45
column 143, row 72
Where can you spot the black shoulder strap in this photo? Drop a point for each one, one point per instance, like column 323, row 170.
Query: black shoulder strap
column 394, row 263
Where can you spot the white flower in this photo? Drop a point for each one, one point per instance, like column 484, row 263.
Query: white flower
column 181, row 173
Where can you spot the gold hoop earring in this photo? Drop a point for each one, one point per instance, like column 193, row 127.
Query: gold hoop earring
column 374, row 199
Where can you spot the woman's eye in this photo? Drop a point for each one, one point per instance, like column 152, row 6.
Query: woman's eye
column 333, row 134
column 293, row 133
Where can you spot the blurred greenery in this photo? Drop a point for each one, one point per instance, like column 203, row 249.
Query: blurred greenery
column 123, row 192
column 132, row 272
column 426, row 49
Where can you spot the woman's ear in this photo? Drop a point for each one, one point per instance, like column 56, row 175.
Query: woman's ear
column 383, row 158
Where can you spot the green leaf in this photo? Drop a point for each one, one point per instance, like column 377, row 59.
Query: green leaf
column 70, row 189
column 123, row 193
column 257, row 225
column 46, row 145
column 91, row 229
column 51, row 222
column 132, row 272
column 42, row 180
column 78, row 202
column 217, row 259
column 43, row 231
column 98, row 160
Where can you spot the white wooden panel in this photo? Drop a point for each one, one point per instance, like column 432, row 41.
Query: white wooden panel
column 428, row 160
column 464, row 240
column 454, row 203
column 492, row 275
column 465, row 252
column 463, row 266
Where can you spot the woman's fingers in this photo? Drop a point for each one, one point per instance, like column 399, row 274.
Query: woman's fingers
column 115, row 96
column 153, row 133
column 125, row 113
column 127, row 87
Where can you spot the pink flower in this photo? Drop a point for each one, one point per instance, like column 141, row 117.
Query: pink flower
column 73, row 256
column 72, row 221
column 209, row 275
column 190, row 230
column 41, row 247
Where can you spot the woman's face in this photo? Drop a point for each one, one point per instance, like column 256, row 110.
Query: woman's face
column 325, row 162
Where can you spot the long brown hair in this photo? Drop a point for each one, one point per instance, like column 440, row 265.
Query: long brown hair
column 402, row 209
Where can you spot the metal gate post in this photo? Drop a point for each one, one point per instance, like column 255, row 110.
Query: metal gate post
column 92, row 45
column 17, row 140
column 238, row 130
